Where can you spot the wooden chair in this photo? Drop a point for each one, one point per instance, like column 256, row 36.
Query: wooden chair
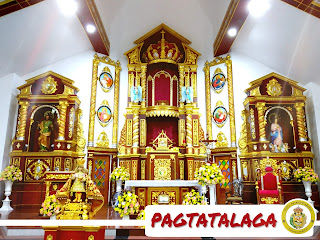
column 269, row 186
column 236, row 196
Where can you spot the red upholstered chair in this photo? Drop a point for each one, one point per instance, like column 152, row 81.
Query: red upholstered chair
column 269, row 186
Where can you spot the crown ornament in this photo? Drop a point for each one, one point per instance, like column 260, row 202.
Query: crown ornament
column 298, row 210
column 163, row 52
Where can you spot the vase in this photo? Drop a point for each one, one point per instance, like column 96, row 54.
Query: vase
column 212, row 192
column 307, row 188
column 53, row 217
column 7, row 192
column 203, row 190
column 125, row 217
column 118, row 185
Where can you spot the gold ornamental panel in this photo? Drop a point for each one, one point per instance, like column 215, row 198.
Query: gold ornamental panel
column 269, row 200
column 49, row 86
column 274, row 88
column 168, row 196
column 36, row 168
column 162, row 169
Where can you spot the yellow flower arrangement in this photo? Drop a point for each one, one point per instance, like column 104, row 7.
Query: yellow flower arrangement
column 127, row 204
column 209, row 174
column 306, row 174
column 50, row 206
column 120, row 173
column 11, row 173
column 141, row 215
column 193, row 198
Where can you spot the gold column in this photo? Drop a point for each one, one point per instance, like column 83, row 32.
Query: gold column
column 181, row 79
column 135, row 132
column 22, row 120
column 300, row 121
column 93, row 100
column 189, row 127
column 261, row 120
column 231, row 103
column 116, row 106
column 194, row 80
column 143, row 81
column 208, row 100
column 62, row 120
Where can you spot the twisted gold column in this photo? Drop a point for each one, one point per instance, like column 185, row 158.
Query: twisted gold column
column 116, row 106
column 135, row 132
column 181, row 79
column 261, row 120
column 62, row 120
column 231, row 103
column 300, row 121
column 143, row 81
column 93, row 100
column 22, row 120
column 208, row 100
column 189, row 127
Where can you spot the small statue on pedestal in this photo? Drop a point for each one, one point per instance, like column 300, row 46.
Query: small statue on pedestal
column 81, row 185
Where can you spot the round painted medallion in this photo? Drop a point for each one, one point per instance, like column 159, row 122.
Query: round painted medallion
column 218, row 82
column 220, row 115
column 106, row 81
column 104, row 114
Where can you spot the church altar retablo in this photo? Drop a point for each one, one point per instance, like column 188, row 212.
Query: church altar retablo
column 161, row 139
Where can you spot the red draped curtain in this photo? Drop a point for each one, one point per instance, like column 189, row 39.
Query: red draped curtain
column 156, row 124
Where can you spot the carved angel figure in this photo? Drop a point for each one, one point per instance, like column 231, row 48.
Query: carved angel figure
column 136, row 94
column 187, row 94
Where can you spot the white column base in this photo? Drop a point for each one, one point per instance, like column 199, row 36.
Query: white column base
column 6, row 205
column 212, row 192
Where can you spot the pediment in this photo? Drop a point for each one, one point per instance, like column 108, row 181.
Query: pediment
column 274, row 85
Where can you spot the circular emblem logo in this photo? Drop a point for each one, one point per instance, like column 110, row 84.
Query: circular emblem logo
column 298, row 216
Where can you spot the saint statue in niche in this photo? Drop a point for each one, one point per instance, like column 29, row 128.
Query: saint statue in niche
column 276, row 135
column 136, row 94
column 46, row 128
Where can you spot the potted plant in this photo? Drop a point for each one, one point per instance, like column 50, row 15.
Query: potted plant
column 50, row 207
column 307, row 176
column 10, row 174
column 127, row 204
column 119, row 174
column 194, row 198
column 209, row 175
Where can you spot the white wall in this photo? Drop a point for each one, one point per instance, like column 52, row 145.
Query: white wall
column 8, row 113
column 313, row 120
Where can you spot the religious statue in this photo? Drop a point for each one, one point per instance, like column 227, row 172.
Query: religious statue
column 276, row 135
column 136, row 94
column 82, row 188
column 46, row 128
column 187, row 94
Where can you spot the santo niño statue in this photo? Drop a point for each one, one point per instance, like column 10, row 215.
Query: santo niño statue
column 79, row 187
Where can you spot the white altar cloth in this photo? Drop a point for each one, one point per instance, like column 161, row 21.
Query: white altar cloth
column 171, row 183
column 160, row 183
